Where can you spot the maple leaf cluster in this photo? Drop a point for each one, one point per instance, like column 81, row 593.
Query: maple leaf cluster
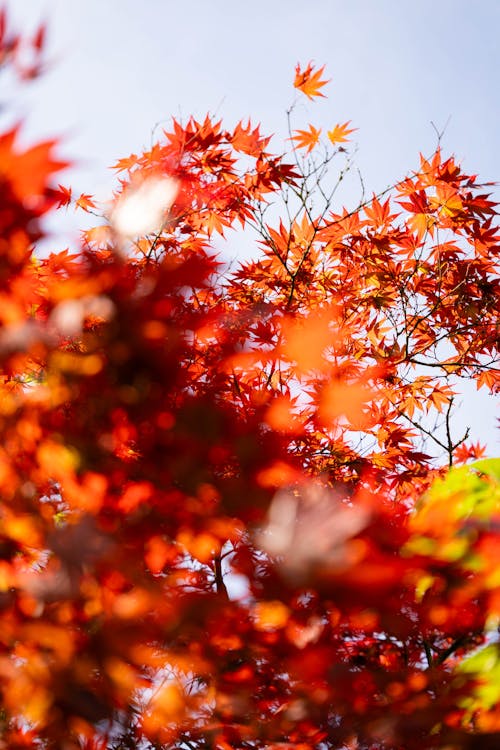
column 219, row 523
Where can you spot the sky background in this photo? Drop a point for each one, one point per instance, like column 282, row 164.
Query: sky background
column 120, row 67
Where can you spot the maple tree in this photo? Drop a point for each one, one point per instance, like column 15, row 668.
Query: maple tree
column 228, row 517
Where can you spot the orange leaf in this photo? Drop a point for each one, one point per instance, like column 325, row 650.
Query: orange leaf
column 440, row 397
column 306, row 340
column 134, row 495
column 346, row 400
column 125, row 164
column 468, row 451
column 248, row 141
column 158, row 553
column 309, row 82
column 447, row 200
column 280, row 416
column 278, row 474
column 421, row 224
column 100, row 235
column 306, row 138
column 167, row 705
column 28, row 171
column 270, row 615
column 339, row 133
column 85, row 202
column 201, row 546
column 489, row 378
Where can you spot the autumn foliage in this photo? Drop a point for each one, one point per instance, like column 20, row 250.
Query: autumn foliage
column 227, row 517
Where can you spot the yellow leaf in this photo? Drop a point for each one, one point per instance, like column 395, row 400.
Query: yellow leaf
column 57, row 460
column 339, row 133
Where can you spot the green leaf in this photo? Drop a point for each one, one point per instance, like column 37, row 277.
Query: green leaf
column 484, row 665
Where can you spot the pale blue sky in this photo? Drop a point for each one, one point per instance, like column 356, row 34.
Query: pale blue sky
column 120, row 66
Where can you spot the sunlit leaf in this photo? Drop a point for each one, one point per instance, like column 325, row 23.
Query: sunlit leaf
column 339, row 133
column 309, row 81
column 307, row 139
